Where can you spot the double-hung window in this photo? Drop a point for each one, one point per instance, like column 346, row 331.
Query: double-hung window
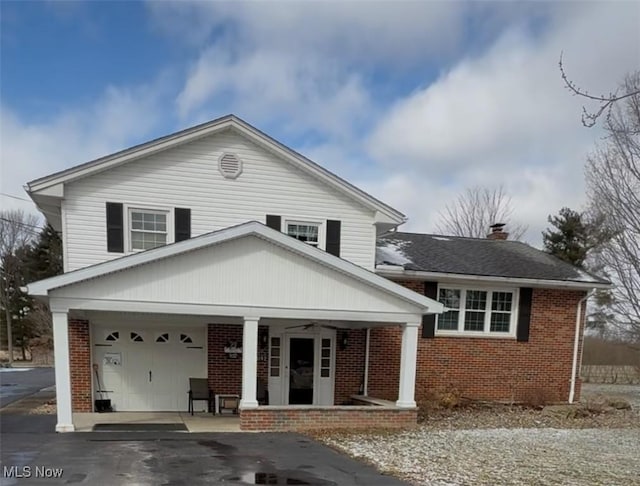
column 477, row 311
column 147, row 228
column 304, row 231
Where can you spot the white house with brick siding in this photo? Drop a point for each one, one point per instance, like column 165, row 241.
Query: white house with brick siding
column 217, row 252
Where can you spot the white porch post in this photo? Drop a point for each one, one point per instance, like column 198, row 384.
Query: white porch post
column 249, row 362
column 62, row 371
column 408, row 357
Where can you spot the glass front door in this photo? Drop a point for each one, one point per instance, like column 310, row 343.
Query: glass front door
column 301, row 370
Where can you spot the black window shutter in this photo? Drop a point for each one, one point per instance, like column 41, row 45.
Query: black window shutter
column 182, row 224
column 524, row 314
column 274, row 221
column 115, row 228
column 429, row 321
column 333, row 237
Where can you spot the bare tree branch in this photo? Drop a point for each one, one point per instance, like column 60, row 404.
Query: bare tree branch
column 475, row 210
column 606, row 102
column 613, row 182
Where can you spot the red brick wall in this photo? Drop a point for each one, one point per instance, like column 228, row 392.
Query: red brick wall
column 349, row 365
column 488, row 368
column 224, row 373
column 283, row 419
column 80, row 365
column 384, row 363
column 384, row 355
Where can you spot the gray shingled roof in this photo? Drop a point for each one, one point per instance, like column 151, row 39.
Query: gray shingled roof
column 475, row 256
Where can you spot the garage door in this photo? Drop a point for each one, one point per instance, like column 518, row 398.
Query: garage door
column 144, row 369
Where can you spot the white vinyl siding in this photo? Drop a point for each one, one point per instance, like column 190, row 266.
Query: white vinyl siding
column 188, row 176
column 477, row 312
column 249, row 272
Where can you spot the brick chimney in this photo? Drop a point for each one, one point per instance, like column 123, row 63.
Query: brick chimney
column 497, row 232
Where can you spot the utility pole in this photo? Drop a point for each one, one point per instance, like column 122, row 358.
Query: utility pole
column 7, row 312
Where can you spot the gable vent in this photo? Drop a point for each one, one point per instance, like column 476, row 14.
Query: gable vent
column 230, row 166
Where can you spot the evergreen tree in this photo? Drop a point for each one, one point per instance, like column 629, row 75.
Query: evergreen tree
column 41, row 260
column 571, row 239
column 44, row 258
column 29, row 260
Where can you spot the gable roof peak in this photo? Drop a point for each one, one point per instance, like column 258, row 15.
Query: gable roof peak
column 229, row 121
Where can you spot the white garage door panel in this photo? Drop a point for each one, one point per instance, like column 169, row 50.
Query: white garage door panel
column 149, row 369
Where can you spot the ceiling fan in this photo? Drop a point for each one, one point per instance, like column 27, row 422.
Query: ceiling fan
column 315, row 324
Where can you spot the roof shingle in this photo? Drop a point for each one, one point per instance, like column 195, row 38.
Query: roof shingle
column 475, row 256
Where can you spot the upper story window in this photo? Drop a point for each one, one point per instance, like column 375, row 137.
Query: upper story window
column 304, row 231
column 477, row 311
column 148, row 228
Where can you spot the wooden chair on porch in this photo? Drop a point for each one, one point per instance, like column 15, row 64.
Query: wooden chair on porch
column 199, row 391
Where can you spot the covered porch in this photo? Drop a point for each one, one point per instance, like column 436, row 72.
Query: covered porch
column 249, row 309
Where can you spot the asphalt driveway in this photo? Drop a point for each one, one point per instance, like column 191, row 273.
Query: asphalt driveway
column 32, row 454
column 17, row 383
column 180, row 458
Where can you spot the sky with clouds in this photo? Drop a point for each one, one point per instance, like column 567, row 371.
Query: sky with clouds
column 411, row 101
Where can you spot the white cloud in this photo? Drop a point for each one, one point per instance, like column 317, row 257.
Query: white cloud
column 29, row 150
column 280, row 87
column 305, row 67
column 504, row 117
column 324, row 74
column 365, row 31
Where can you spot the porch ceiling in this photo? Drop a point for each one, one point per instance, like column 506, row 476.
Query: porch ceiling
column 153, row 320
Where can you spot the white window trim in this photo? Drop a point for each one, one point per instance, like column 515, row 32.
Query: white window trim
column 321, row 223
column 128, row 208
column 460, row 332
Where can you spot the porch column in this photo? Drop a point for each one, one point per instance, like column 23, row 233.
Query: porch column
column 249, row 362
column 408, row 357
column 62, row 371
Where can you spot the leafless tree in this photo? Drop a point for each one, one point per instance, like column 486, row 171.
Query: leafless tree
column 613, row 185
column 475, row 210
column 603, row 102
column 17, row 229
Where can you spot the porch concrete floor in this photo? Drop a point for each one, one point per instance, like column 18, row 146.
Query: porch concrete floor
column 199, row 422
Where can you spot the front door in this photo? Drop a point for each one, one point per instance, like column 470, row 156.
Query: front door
column 301, row 370
column 301, row 367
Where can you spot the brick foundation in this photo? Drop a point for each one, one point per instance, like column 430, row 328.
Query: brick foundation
column 280, row 419
column 80, row 365
column 488, row 368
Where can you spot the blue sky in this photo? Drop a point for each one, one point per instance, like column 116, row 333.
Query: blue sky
column 412, row 101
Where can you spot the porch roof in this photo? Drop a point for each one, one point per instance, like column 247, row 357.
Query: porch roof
column 248, row 269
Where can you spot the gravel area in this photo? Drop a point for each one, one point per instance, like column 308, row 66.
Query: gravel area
column 592, row 443
column 501, row 456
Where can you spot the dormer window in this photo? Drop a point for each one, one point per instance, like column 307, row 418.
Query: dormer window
column 148, row 228
column 304, row 231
